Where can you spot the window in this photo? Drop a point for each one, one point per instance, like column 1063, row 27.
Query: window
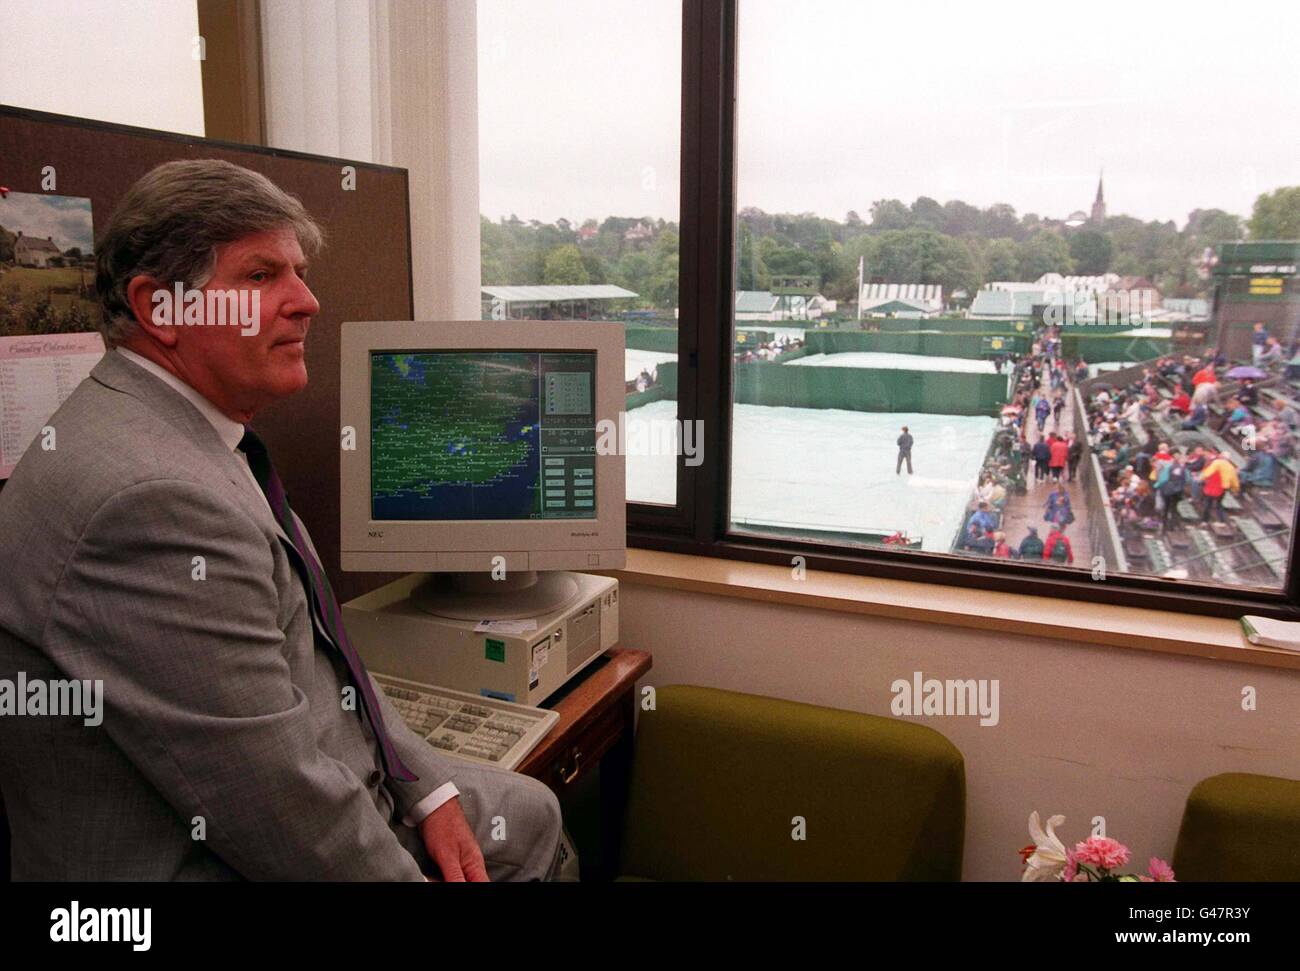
column 910, row 226
column 579, row 117
column 133, row 64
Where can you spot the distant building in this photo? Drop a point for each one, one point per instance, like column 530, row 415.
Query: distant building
column 819, row 305
column 34, row 251
column 1130, row 295
column 1015, row 286
column 1019, row 301
column 765, row 305
column 588, row 232
column 756, row 305
column 550, row 302
column 1001, row 304
column 1138, row 284
column 879, row 299
column 1084, row 284
column 1175, row 309
column 1066, row 299
column 641, row 231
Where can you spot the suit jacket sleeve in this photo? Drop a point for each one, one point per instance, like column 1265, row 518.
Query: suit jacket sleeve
column 432, row 767
column 197, row 688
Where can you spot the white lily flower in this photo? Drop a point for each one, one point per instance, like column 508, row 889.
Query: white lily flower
column 1048, row 859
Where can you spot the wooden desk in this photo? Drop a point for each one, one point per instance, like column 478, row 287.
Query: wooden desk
column 597, row 713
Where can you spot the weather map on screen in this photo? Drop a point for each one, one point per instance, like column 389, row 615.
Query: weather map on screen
column 482, row 435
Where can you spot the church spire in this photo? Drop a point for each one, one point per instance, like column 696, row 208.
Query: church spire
column 1099, row 204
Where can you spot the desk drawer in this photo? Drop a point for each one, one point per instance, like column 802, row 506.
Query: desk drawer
column 586, row 750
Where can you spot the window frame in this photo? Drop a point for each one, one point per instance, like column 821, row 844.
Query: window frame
column 699, row 524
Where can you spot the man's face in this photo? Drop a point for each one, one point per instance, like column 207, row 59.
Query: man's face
column 242, row 369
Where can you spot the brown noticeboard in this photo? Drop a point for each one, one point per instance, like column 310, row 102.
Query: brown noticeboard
column 364, row 272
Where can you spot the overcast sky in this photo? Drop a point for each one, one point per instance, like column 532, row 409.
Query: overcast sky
column 125, row 62
column 1186, row 105
column 65, row 219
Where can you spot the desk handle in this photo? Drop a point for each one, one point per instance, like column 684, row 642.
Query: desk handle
column 566, row 779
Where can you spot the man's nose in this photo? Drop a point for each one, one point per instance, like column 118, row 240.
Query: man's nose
column 302, row 302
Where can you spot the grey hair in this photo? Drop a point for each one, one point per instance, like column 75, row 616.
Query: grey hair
column 171, row 221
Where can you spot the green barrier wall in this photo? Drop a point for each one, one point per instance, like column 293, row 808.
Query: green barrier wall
column 638, row 398
column 1101, row 329
column 952, row 325
column 667, row 374
column 960, row 338
column 968, row 345
column 851, row 389
column 651, row 338
column 1096, row 347
column 869, row 389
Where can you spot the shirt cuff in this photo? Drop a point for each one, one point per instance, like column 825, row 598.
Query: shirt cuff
column 429, row 803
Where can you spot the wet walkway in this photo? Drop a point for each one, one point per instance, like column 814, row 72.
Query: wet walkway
column 1024, row 511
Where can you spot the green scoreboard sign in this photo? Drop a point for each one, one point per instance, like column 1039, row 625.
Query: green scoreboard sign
column 1263, row 272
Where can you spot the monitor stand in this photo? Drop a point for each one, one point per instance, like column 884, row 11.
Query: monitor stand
column 477, row 596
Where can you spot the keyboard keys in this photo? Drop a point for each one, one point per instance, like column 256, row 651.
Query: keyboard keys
column 470, row 729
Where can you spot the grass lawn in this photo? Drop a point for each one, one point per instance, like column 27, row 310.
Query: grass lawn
column 32, row 283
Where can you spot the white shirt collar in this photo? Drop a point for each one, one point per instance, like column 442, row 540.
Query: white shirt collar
column 231, row 431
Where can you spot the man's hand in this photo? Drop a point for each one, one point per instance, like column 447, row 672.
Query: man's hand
column 451, row 844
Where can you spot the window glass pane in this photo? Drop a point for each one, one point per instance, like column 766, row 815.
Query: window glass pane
column 128, row 63
column 579, row 148
column 1016, row 284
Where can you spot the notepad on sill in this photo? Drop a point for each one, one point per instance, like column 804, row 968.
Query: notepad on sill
column 1272, row 633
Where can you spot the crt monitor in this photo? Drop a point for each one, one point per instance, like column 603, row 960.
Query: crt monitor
column 470, row 447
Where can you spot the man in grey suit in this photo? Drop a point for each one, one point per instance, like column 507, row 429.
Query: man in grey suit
column 143, row 552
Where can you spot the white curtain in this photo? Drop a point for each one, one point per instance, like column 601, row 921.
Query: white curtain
column 395, row 82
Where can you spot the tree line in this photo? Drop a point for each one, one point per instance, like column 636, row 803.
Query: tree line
column 953, row 244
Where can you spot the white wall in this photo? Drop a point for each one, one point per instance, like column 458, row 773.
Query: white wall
column 1083, row 731
column 127, row 62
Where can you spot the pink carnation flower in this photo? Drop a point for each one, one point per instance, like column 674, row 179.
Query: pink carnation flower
column 1161, row 872
column 1071, row 867
column 1071, row 872
column 1102, row 852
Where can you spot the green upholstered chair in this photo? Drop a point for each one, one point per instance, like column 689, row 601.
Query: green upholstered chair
column 1239, row 826
column 718, row 778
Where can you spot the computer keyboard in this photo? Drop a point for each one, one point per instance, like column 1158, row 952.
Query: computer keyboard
column 468, row 726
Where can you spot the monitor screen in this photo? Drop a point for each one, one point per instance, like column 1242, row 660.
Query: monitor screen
column 482, row 435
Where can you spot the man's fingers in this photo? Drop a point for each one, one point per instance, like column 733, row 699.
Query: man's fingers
column 475, row 868
column 449, row 863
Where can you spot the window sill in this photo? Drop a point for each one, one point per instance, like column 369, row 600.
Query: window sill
column 1164, row 632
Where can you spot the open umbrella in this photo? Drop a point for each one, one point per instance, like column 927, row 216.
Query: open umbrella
column 1247, row 371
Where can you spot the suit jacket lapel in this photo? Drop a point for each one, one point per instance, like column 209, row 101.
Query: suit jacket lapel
column 115, row 372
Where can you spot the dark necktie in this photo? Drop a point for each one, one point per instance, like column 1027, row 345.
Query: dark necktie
column 318, row 585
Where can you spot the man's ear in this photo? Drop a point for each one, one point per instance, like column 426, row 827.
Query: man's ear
column 154, row 310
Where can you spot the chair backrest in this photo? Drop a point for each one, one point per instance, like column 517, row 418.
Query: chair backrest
column 724, row 783
column 1240, row 827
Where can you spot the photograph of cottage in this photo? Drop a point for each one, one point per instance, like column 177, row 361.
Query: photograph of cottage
column 47, row 264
